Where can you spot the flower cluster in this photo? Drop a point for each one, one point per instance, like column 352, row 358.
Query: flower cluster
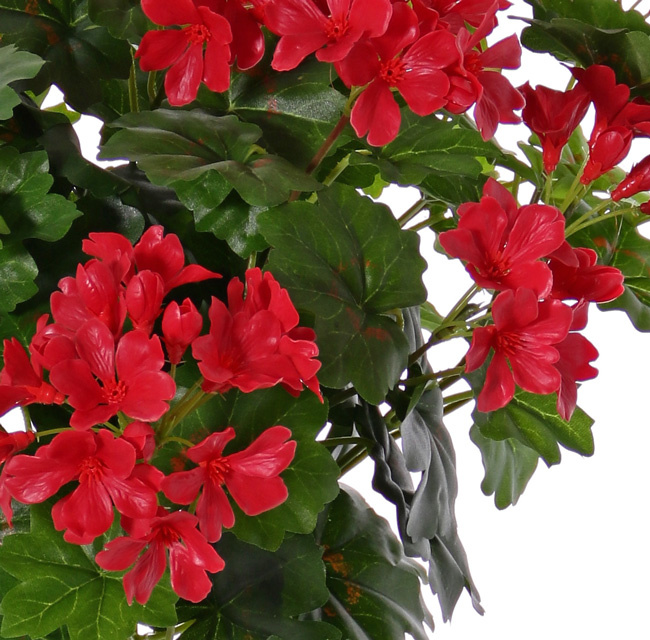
column 554, row 115
column 425, row 52
column 110, row 354
column 521, row 252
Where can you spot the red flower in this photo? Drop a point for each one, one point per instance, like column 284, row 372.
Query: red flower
column 190, row 557
column 256, row 343
column 524, row 334
column 400, row 60
column 585, row 280
column 181, row 325
column 251, row 477
column 576, row 352
column 101, row 463
column 21, row 382
column 606, row 151
column 10, row 443
column 140, row 389
column 637, row 180
column 164, row 256
column 305, row 28
column 502, row 245
column 553, row 116
column 144, row 296
column 183, row 49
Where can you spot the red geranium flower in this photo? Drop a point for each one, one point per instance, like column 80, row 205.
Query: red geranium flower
column 637, row 180
column 553, row 116
column 140, row 389
column 399, row 60
column 190, row 557
column 305, row 28
column 256, row 343
column 181, row 325
column 183, row 49
column 251, row 477
column 502, row 244
column 101, row 463
column 524, row 334
column 10, row 443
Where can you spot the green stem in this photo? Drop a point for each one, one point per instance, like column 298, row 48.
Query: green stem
column 151, row 87
column 411, row 212
column 574, row 189
column 431, row 220
column 450, row 408
column 579, row 224
column 328, row 143
column 50, row 432
column 344, row 441
column 252, row 260
column 28, row 421
column 450, row 317
column 340, row 167
column 548, row 184
column 459, row 397
column 445, row 373
column 133, row 89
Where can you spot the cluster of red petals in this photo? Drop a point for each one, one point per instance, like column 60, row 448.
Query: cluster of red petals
column 255, row 342
column 524, row 335
column 10, row 443
column 191, row 557
column 251, row 477
column 101, row 464
column 502, row 244
column 636, row 181
column 618, row 120
column 553, row 116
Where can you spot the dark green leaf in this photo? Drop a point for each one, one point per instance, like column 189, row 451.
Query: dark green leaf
column 14, row 65
column 60, row 584
column 123, row 18
column 533, row 420
column 374, row 589
column 346, row 261
column 311, row 478
column 80, row 53
column 258, row 593
column 508, row 464
column 592, row 32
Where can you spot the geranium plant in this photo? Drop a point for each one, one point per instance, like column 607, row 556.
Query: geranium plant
column 204, row 339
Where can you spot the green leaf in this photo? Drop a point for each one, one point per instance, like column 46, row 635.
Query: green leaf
column 592, row 32
column 14, row 65
column 533, row 420
column 619, row 244
column 296, row 110
column 311, row 478
column 123, row 18
column 438, row 155
column 346, row 261
column 60, row 585
column 80, row 53
column 259, row 593
column 508, row 464
column 28, row 211
column 181, row 146
column 374, row 589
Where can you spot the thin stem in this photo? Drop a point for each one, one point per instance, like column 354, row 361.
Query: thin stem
column 411, row 212
column 151, row 86
column 133, row 88
column 327, row 144
column 170, row 632
column 343, row 441
column 28, row 421
column 431, row 220
column 450, row 408
column 548, row 188
column 252, row 260
column 607, row 216
column 458, row 397
column 50, row 432
column 634, row 6
column 340, row 167
column 445, row 373
column 451, row 316
column 573, row 189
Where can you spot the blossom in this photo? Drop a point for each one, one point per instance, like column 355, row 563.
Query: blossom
column 585, row 280
column 638, row 179
column 399, row 60
column 102, row 465
column 255, row 342
column 10, row 444
column 251, row 477
column 183, row 49
column 304, row 28
column 144, row 296
column 553, row 116
column 502, row 244
column 140, row 389
column 21, row 381
column 163, row 254
column 576, row 352
column 190, row 557
column 181, row 325
column 524, row 335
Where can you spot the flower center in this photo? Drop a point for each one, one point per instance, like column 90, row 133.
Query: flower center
column 336, row 28
column 217, row 470
column 198, row 34
column 473, row 62
column 90, row 470
column 392, row 71
column 114, row 392
column 509, row 343
column 167, row 535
